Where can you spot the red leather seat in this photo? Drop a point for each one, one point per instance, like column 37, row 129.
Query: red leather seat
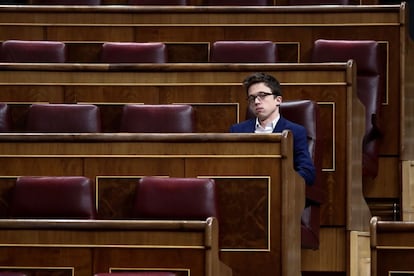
column 169, row 118
column 12, row 273
column 175, row 198
column 158, row 2
column 370, row 88
column 141, row 273
column 243, row 52
column 318, row 2
column 2, row 58
column 65, row 2
column 63, row 118
column 306, row 113
column 30, row 51
column 134, row 52
column 237, row 3
column 5, row 118
column 53, row 197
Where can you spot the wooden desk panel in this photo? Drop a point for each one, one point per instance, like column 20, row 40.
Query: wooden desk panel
column 254, row 172
column 197, row 24
column 216, row 93
column 201, row 26
column 392, row 244
column 86, row 247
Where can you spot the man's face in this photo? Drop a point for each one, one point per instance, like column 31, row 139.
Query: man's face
column 262, row 102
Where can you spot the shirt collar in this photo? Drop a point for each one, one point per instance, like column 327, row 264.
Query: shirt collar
column 268, row 128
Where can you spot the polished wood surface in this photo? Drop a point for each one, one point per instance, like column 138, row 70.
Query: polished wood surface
column 189, row 25
column 216, row 93
column 392, row 247
column 261, row 197
column 189, row 32
column 93, row 246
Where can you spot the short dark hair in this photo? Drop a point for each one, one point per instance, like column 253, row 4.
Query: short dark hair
column 267, row 79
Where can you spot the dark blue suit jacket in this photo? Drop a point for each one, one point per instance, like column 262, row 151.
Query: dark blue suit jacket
column 303, row 163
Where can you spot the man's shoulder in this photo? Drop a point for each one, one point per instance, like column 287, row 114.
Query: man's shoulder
column 243, row 126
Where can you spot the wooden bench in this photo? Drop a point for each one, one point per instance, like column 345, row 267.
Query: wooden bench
column 392, row 244
column 86, row 247
column 261, row 197
column 219, row 100
column 190, row 30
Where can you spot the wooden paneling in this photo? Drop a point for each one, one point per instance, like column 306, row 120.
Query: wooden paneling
column 86, row 247
column 392, row 244
column 261, row 197
column 199, row 25
column 216, row 93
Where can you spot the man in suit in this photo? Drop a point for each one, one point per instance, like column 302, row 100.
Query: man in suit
column 264, row 97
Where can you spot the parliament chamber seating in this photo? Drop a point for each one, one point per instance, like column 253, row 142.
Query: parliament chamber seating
column 65, row 2
column 53, row 197
column 134, row 52
column 175, row 198
column 149, row 273
column 237, row 2
column 306, row 113
column 158, row 2
column 243, row 52
column 34, row 51
column 168, row 118
column 63, row 118
column 370, row 88
column 318, row 2
column 5, row 119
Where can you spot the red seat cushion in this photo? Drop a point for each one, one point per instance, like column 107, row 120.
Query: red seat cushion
column 33, row 51
column 134, row 52
column 63, row 118
column 370, row 88
column 53, row 197
column 158, row 2
column 170, row 118
column 175, row 198
column 243, row 52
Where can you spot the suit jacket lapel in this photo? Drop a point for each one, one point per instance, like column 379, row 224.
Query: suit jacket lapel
column 280, row 126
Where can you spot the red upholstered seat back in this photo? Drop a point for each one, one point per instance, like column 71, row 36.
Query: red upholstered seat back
column 370, row 87
column 2, row 57
column 158, row 2
column 66, row 2
column 243, row 52
column 306, row 113
column 63, row 118
column 142, row 273
column 175, row 198
column 318, row 2
column 133, row 52
column 5, row 119
column 26, row 51
column 53, row 197
column 170, row 118
column 237, row 2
